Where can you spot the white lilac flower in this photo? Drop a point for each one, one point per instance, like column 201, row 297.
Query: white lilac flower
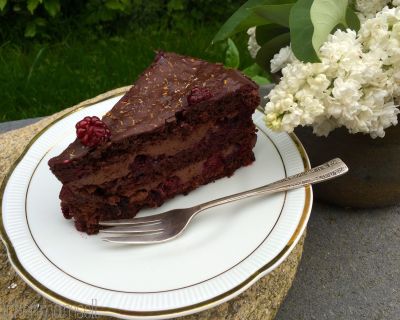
column 252, row 44
column 369, row 8
column 354, row 85
column 281, row 59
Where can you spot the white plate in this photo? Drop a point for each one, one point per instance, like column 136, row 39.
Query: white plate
column 223, row 252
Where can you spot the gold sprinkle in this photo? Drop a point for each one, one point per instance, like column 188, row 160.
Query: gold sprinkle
column 225, row 82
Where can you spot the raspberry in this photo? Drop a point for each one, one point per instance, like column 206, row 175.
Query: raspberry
column 213, row 164
column 171, row 184
column 91, row 131
column 198, row 94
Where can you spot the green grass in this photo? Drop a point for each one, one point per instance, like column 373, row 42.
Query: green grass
column 39, row 78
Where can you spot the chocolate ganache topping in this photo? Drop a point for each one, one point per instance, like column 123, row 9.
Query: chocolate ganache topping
column 160, row 92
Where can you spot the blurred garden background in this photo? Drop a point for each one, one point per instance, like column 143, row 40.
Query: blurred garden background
column 56, row 53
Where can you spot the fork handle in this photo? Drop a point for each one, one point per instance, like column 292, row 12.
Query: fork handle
column 329, row 170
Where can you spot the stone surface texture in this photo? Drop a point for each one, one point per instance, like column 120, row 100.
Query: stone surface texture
column 350, row 268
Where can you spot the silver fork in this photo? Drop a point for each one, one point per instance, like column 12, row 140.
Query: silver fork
column 168, row 225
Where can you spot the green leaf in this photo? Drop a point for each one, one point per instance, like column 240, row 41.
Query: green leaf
column 3, row 4
column 325, row 16
column 40, row 22
column 17, row 7
column 278, row 14
column 257, row 74
column 32, row 5
column 267, row 32
column 260, row 80
column 176, row 5
column 52, row 7
column 232, row 58
column 353, row 22
column 114, row 5
column 252, row 71
column 269, row 49
column 301, row 31
column 30, row 30
column 243, row 19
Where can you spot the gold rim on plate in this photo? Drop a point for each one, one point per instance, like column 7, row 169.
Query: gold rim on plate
column 78, row 307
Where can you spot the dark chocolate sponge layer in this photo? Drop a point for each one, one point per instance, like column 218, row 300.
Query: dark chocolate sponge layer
column 90, row 212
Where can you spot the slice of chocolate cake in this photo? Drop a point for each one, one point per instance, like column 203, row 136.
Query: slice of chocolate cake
column 184, row 123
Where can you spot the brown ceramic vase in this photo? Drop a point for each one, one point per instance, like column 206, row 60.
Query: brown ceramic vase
column 374, row 176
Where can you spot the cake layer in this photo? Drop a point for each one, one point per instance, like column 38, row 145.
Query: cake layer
column 174, row 92
column 143, row 167
column 87, row 209
column 69, row 165
column 126, row 187
column 150, row 177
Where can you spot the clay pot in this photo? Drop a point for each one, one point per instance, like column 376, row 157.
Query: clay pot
column 374, row 176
